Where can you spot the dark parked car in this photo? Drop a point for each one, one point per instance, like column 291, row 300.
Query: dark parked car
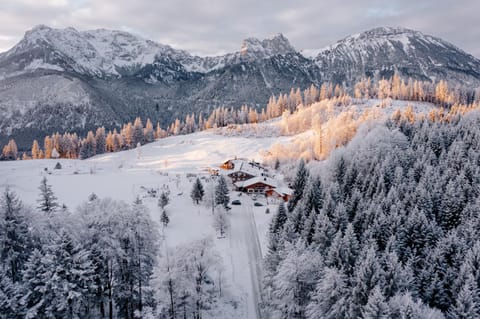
column 258, row 204
column 236, row 202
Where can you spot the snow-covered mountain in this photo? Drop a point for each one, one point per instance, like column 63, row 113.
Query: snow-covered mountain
column 380, row 52
column 64, row 79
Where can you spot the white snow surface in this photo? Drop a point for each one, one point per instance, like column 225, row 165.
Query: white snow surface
column 171, row 163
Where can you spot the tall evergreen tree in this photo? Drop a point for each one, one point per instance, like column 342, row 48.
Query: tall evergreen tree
column 197, row 191
column 376, row 307
column 100, row 141
column 221, row 193
column 15, row 238
column 299, row 184
column 47, row 202
column 329, row 300
column 467, row 304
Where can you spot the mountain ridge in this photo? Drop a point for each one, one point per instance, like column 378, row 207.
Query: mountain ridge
column 108, row 77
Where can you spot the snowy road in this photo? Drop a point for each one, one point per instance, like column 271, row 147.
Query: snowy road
column 246, row 258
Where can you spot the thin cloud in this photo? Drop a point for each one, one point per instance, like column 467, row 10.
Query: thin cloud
column 211, row 26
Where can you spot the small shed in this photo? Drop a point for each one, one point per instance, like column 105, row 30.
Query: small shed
column 282, row 192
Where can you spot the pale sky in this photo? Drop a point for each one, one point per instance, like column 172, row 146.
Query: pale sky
column 209, row 27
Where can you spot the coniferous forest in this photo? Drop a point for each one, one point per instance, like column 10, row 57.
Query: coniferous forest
column 191, row 175
column 388, row 227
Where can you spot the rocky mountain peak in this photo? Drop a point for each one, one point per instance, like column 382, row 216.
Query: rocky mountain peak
column 275, row 45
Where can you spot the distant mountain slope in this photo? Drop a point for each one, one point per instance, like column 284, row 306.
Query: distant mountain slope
column 64, row 79
column 381, row 51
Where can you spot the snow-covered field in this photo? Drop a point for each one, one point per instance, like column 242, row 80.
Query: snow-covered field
column 169, row 164
column 172, row 164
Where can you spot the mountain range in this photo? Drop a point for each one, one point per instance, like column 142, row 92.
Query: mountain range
column 69, row 80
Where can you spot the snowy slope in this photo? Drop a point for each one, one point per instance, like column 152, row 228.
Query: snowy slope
column 170, row 163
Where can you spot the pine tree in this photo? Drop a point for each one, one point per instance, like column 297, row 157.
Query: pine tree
column 329, row 301
column 295, row 281
column 15, row 238
column 37, row 288
column 299, row 183
column 377, row 307
column 221, row 193
column 47, row 202
column 367, row 275
column 137, row 134
column 88, row 148
column 275, row 243
column 164, row 218
column 279, row 220
column 100, row 141
column 72, row 278
column 164, row 200
column 467, row 304
column 197, row 191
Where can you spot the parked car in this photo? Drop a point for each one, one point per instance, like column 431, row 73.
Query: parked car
column 257, row 204
column 236, row 202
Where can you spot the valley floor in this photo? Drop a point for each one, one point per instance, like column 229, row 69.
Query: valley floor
column 170, row 164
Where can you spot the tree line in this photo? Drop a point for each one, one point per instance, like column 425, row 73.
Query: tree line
column 69, row 145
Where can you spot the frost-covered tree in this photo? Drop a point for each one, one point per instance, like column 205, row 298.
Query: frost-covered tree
column 88, row 147
column 164, row 218
column 329, row 300
column 467, row 304
column 376, row 307
column 221, row 192
column 164, row 200
column 37, row 293
column 197, row 192
column 137, row 134
column 299, row 184
column 368, row 274
column 221, row 222
column 15, row 238
column 100, row 141
column 187, row 280
column 47, row 202
column 58, row 281
column 295, row 281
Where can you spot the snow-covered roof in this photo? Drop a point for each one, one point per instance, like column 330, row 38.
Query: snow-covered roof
column 284, row 190
column 257, row 179
column 240, row 165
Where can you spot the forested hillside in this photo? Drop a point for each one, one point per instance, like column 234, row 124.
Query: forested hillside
column 387, row 227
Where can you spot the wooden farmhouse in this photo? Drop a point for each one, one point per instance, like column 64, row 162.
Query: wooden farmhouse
column 250, row 177
column 256, row 185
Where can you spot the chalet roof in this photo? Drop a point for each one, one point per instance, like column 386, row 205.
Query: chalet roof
column 255, row 180
column 284, row 190
column 247, row 167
